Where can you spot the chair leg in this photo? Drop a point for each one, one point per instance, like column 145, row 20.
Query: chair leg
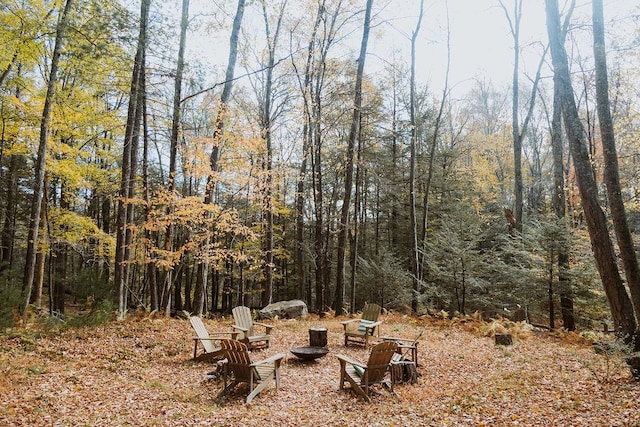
column 226, row 390
column 261, row 386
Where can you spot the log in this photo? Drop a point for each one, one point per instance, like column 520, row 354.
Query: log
column 318, row 337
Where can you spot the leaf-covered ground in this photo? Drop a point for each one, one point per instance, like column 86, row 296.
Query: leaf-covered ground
column 138, row 373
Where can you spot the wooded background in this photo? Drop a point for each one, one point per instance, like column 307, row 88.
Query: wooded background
column 129, row 179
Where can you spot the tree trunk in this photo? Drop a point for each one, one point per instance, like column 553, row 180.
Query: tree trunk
column 559, row 207
column 355, row 234
column 611, row 175
column 619, row 302
column 266, row 123
column 514, row 25
column 343, row 226
column 40, row 166
column 122, row 219
column 173, row 149
column 203, row 267
column 415, row 262
column 305, row 88
column 8, row 226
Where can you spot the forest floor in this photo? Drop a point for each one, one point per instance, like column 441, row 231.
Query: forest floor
column 139, row 372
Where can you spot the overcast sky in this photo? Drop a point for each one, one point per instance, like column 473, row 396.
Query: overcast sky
column 481, row 42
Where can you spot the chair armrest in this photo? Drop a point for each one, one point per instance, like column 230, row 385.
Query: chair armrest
column 400, row 340
column 273, row 358
column 346, row 359
column 264, row 325
column 372, row 325
column 233, row 334
column 344, row 323
column 240, row 328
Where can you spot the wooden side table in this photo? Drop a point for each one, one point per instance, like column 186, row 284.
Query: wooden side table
column 406, row 347
column 318, row 337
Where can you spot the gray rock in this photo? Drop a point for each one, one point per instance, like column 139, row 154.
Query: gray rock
column 294, row 309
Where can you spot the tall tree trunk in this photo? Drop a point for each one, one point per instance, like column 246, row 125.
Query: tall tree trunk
column 266, row 122
column 559, row 200
column 415, row 254
column 559, row 207
column 305, row 88
column 122, row 219
column 320, row 243
column 203, row 267
column 619, row 302
column 355, row 234
column 611, row 175
column 8, row 226
column 40, row 166
column 41, row 257
column 173, row 150
column 151, row 237
column 514, row 25
column 343, row 226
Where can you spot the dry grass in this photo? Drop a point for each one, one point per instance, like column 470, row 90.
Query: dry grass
column 139, row 372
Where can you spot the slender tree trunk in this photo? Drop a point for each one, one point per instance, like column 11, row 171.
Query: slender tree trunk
column 151, row 237
column 552, row 312
column 619, row 302
column 203, row 267
column 514, row 25
column 8, row 226
column 559, row 200
column 41, row 257
column 343, row 226
column 173, row 143
column 40, row 166
column 122, row 219
column 266, row 122
column 559, row 207
column 611, row 174
column 7, row 238
column 355, row 234
column 415, row 257
column 305, row 88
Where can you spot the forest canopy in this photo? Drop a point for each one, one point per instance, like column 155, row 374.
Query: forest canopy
column 201, row 155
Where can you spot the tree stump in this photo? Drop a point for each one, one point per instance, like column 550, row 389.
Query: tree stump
column 503, row 339
column 318, row 337
column 403, row 371
column 634, row 363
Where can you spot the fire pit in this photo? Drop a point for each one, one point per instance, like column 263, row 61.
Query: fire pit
column 309, row 353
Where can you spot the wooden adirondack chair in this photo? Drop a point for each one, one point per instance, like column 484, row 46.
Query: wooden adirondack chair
column 211, row 349
column 362, row 376
column 240, row 369
column 244, row 325
column 359, row 330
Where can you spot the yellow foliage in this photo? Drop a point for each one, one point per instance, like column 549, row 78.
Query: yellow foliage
column 79, row 232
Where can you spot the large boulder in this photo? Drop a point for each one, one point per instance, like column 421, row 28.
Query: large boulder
column 294, row 309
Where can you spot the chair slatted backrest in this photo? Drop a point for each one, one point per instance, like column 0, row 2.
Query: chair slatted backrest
column 379, row 360
column 242, row 317
column 238, row 360
column 371, row 312
column 201, row 332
